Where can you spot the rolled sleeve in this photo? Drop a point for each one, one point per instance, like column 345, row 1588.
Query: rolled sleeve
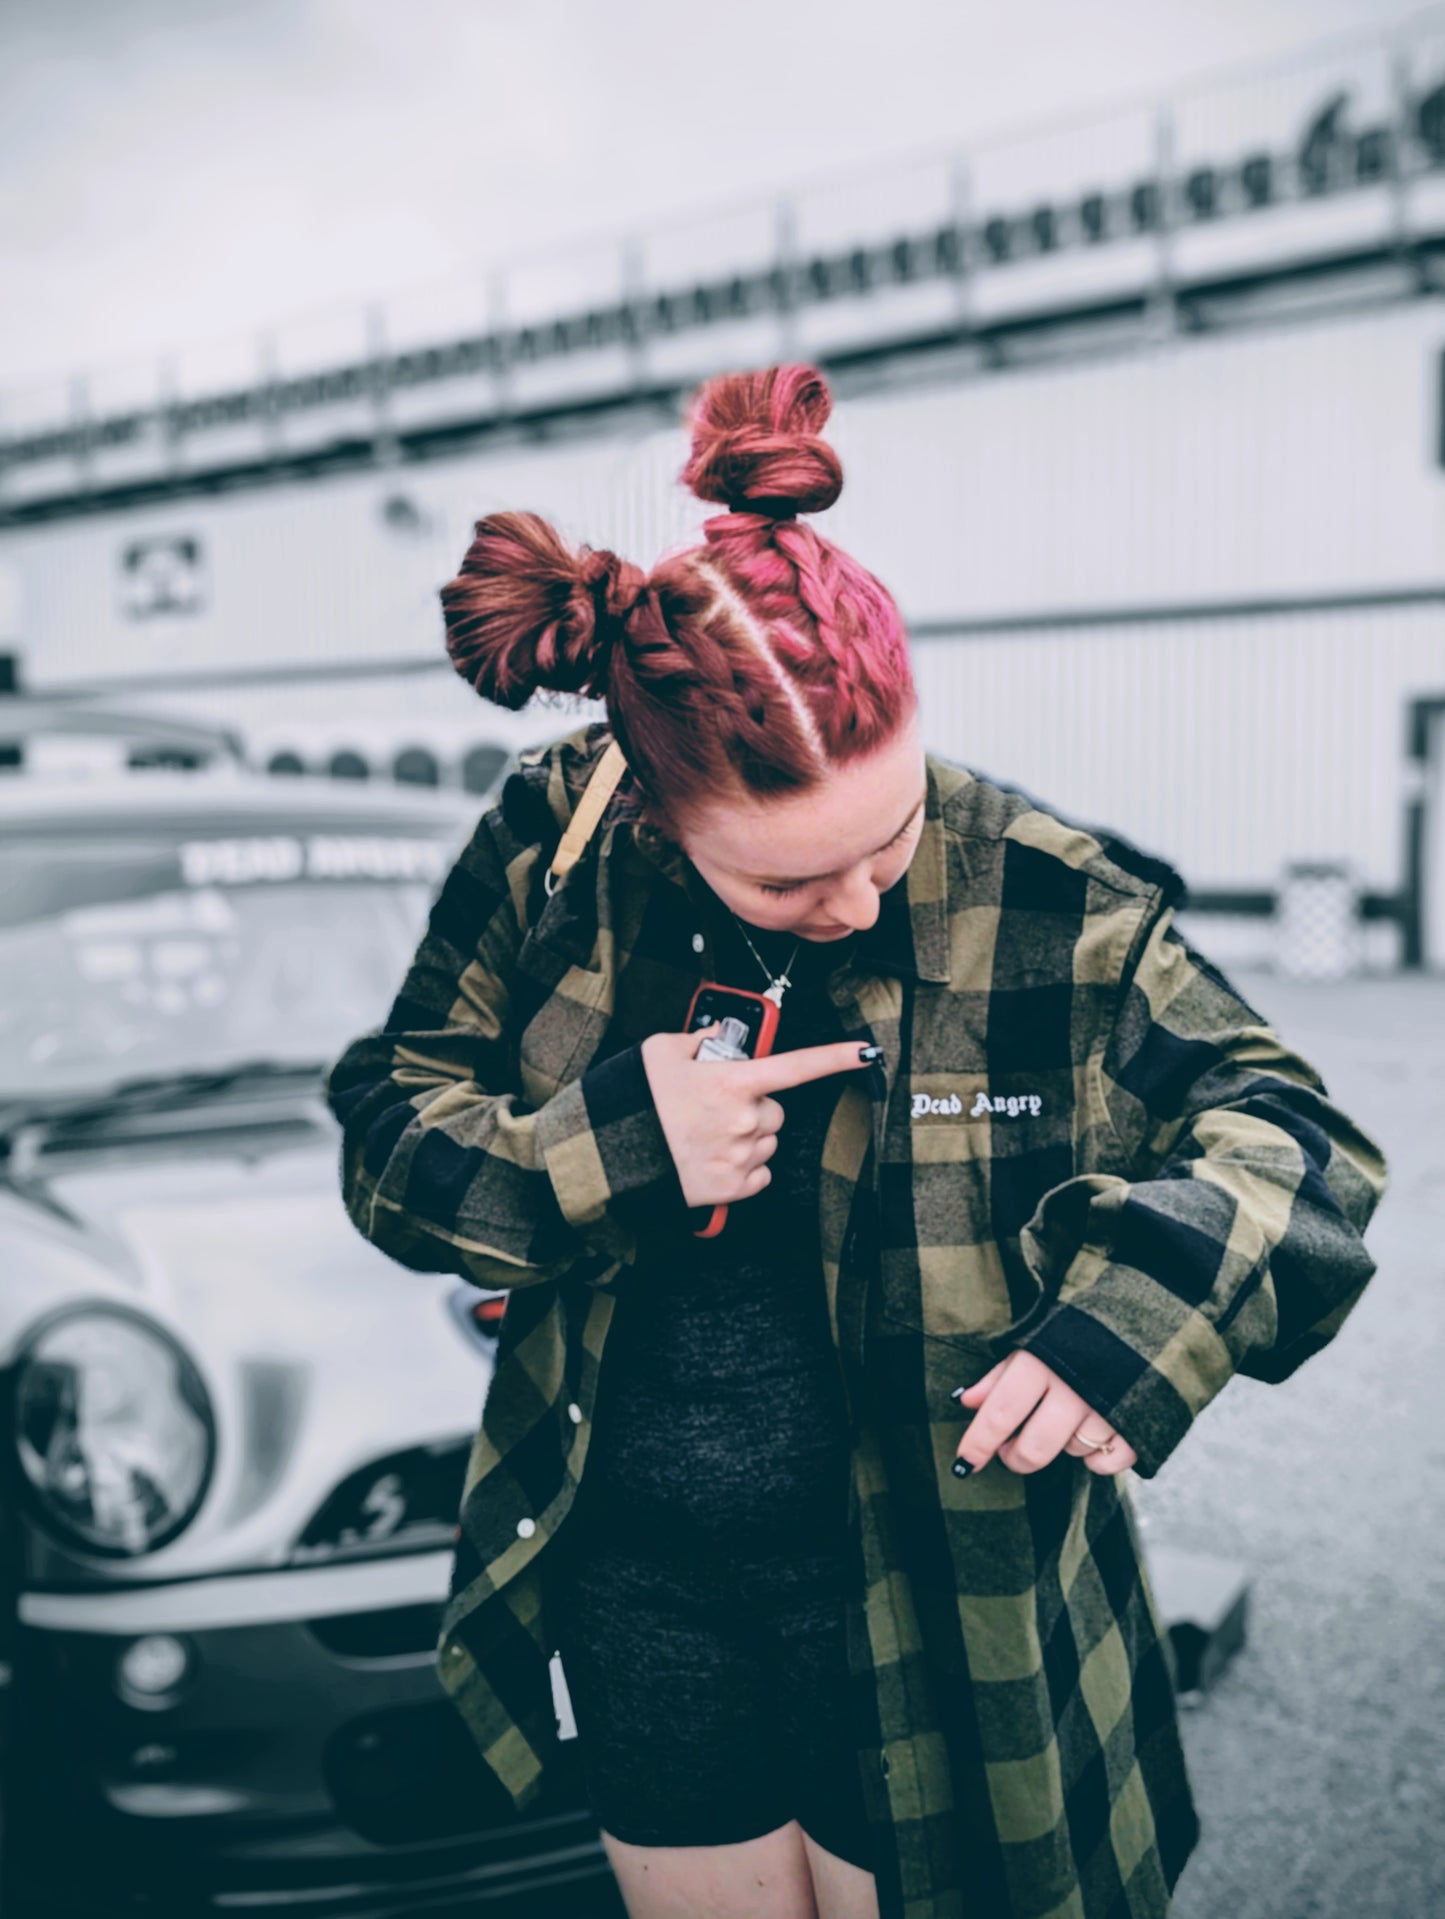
column 444, row 1165
column 605, row 1152
column 1232, row 1242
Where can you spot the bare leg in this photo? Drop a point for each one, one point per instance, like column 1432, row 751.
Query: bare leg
column 842, row 1890
column 766, row 1878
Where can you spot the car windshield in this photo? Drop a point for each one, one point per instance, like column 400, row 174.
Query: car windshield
column 130, row 950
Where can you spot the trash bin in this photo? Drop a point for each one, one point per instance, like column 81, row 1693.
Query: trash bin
column 1317, row 928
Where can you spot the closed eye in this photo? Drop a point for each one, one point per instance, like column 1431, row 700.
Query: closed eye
column 796, row 886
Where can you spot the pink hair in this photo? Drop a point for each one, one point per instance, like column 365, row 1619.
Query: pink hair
column 758, row 658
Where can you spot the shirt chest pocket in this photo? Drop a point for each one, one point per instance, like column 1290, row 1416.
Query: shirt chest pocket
column 967, row 1158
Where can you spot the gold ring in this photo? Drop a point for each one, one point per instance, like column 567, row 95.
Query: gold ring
column 1096, row 1445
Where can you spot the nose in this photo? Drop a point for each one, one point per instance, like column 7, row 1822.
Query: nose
column 853, row 901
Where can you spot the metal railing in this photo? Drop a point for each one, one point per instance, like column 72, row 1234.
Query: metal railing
column 1369, row 121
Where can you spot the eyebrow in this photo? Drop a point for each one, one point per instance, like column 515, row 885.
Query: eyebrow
column 791, row 879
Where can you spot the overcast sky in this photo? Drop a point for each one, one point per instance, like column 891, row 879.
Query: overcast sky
column 175, row 170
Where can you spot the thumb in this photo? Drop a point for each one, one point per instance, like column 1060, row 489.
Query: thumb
column 780, row 1070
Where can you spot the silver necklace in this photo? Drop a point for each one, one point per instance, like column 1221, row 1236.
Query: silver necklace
column 776, row 986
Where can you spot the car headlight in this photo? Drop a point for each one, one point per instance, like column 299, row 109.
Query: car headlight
column 114, row 1430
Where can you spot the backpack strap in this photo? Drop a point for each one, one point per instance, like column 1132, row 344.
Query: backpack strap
column 580, row 828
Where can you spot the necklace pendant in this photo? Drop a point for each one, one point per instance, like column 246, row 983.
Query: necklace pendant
column 775, row 986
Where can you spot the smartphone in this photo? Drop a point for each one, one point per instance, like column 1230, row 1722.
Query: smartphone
column 739, row 1025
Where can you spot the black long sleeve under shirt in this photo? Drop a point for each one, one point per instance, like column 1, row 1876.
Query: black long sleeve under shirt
column 720, row 1423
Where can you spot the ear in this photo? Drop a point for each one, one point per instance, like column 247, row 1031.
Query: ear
column 655, row 820
column 655, row 817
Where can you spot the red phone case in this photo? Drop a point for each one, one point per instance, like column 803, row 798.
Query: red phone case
column 763, row 1047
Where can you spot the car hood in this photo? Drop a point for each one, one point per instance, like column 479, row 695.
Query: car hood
column 319, row 1353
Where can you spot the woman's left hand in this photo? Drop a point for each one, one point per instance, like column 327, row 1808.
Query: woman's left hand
column 1022, row 1388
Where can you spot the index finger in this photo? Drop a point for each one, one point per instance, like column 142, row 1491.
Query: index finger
column 779, row 1070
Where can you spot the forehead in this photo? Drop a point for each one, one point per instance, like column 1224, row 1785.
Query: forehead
column 843, row 818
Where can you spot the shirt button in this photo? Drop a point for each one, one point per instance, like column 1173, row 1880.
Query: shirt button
column 697, row 942
column 574, row 1413
column 526, row 1527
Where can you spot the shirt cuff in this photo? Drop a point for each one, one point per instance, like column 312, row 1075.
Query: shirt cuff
column 615, row 1157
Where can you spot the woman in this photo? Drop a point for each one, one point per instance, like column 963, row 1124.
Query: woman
column 842, row 1573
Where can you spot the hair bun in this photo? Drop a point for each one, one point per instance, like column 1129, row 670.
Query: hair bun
column 756, row 444
column 526, row 613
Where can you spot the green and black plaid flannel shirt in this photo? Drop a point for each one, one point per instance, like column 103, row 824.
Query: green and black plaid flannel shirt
column 1081, row 1140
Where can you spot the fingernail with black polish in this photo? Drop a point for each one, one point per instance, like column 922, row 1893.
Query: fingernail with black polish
column 870, row 1053
column 958, row 1393
column 961, row 1469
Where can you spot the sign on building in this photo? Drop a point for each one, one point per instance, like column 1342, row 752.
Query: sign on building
column 162, row 575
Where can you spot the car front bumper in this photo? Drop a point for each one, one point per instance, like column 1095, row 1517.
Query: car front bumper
column 309, row 1760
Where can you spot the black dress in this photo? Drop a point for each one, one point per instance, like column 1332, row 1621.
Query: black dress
column 707, row 1554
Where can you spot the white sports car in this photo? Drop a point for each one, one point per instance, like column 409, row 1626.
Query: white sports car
column 236, row 1433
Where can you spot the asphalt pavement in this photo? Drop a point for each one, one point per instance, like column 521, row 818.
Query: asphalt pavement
column 1318, row 1756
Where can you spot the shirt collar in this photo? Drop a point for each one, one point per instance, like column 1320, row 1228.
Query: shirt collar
column 910, row 935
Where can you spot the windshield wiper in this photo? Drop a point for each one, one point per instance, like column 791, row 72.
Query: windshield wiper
column 149, row 1093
